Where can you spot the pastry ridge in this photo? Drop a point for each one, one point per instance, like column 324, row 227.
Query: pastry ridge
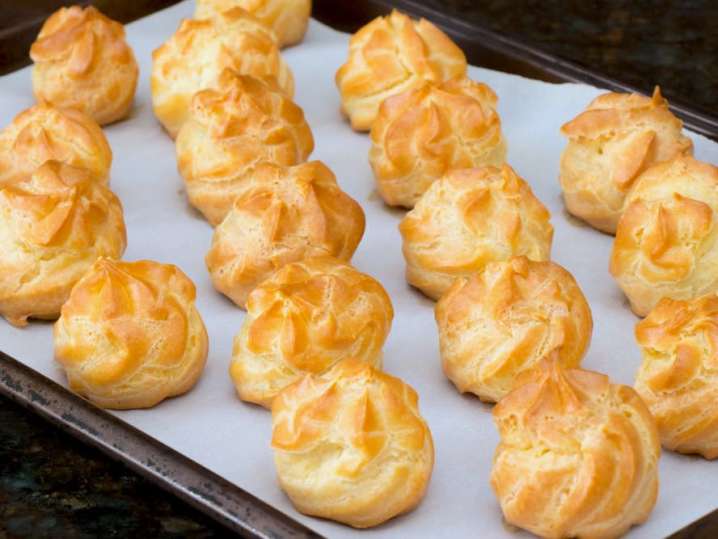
column 350, row 445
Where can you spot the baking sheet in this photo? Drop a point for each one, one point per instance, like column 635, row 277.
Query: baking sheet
column 211, row 426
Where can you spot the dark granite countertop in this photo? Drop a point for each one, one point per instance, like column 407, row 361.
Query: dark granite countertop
column 642, row 42
column 53, row 486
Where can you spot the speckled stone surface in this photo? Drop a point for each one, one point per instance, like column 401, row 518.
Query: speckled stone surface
column 53, row 486
column 642, row 42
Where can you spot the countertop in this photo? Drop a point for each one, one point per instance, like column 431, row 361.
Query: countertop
column 53, row 486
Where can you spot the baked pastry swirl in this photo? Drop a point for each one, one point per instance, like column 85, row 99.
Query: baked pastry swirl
column 578, row 455
column 500, row 322
column 678, row 378
column 53, row 225
column 350, row 445
column 82, row 61
column 282, row 215
column 43, row 133
column 616, row 138
column 200, row 50
column 130, row 335
column 422, row 133
column 287, row 18
column 666, row 239
column 390, row 55
column 469, row 218
column 232, row 129
column 305, row 318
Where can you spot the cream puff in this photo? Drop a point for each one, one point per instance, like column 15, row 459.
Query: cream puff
column 230, row 131
column 130, row 334
column 666, row 239
column 467, row 219
column 578, row 455
column 422, row 133
column 500, row 322
column 391, row 55
column 305, row 318
column 610, row 144
column 350, row 445
column 54, row 224
column 282, row 215
column 83, row 61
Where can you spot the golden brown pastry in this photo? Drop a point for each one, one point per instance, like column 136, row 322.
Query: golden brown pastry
column 390, row 55
column 82, row 61
column 500, row 322
column 282, row 215
column 53, row 225
column 200, row 50
column 678, row 378
column 287, row 18
column 616, row 138
column 469, row 218
column 666, row 239
column 130, row 335
column 43, row 133
column 420, row 134
column 578, row 455
column 350, row 445
column 231, row 130
column 305, row 318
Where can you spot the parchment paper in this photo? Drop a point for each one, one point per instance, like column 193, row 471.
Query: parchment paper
column 213, row 427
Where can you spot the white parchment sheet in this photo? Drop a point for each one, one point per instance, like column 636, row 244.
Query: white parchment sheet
column 213, row 427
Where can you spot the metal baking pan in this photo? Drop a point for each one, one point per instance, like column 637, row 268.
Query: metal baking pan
column 228, row 504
